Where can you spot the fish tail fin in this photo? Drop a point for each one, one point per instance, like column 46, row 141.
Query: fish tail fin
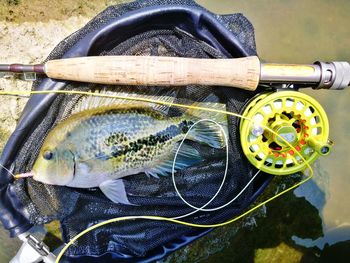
column 209, row 125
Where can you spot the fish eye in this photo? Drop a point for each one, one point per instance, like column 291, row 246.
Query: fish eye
column 48, row 155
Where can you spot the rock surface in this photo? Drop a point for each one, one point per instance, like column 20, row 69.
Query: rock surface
column 29, row 30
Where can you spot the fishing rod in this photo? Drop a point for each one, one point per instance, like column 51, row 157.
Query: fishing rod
column 244, row 73
column 296, row 117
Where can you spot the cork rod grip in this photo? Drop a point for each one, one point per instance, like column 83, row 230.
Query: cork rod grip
column 241, row 73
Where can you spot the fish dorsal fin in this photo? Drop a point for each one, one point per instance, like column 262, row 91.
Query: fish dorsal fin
column 125, row 98
column 218, row 115
column 186, row 157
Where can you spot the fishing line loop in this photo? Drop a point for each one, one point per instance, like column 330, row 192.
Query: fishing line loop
column 197, row 209
column 222, row 130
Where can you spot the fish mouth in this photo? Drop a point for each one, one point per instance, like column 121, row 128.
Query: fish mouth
column 35, row 175
column 39, row 178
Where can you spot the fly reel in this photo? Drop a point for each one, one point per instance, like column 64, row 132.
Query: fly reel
column 296, row 120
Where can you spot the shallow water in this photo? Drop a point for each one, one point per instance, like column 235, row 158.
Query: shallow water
column 303, row 32
column 298, row 226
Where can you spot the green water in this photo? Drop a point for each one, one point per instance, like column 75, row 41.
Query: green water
column 298, row 227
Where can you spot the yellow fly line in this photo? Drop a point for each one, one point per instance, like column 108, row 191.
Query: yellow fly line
column 160, row 218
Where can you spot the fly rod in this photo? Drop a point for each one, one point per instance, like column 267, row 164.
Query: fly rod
column 244, row 73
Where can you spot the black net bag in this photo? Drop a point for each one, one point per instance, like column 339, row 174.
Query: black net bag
column 147, row 28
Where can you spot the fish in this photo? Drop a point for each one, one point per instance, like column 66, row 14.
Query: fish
column 98, row 147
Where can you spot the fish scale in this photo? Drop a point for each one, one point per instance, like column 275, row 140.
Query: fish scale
column 142, row 128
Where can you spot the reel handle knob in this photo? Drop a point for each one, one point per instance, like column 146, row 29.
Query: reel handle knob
column 320, row 147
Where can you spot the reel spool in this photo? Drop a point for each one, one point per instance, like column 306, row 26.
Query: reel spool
column 297, row 118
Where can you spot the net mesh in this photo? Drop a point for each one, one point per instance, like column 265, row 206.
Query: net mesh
column 78, row 208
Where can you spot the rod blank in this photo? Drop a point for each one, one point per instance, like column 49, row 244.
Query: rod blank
column 22, row 68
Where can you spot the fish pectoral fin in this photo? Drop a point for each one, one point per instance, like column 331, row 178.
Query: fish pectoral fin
column 186, row 157
column 115, row 191
column 83, row 167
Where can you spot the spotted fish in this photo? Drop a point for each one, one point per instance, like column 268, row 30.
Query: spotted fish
column 99, row 146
